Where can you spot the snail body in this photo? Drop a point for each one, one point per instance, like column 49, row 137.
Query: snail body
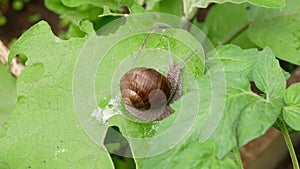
column 147, row 94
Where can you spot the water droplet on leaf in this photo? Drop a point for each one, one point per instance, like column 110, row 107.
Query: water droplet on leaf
column 101, row 115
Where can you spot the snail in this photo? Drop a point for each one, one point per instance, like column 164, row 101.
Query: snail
column 147, row 94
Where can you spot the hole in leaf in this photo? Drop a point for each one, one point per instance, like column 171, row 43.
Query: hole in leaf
column 21, row 58
column 256, row 90
column 289, row 67
column 107, row 29
column 118, row 148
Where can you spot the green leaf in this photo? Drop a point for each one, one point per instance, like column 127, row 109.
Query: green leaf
column 8, row 96
column 190, row 5
column 136, row 8
column 107, row 12
column 233, row 59
column 46, row 128
column 150, row 4
column 173, row 7
column 189, row 155
column 278, row 29
column 75, row 13
column 191, row 152
column 110, row 3
column 227, row 24
column 18, row 5
column 3, row 20
column 43, row 131
column 74, row 31
column 268, row 76
column 250, row 26
column 97, row 12
column 291, row 110
column 243, row 41
column 117, row 54
column 246, row 114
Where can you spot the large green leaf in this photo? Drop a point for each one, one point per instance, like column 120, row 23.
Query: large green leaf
column 291, row 110
column 46, row 129
column 116, row 55
column 43, row 131
column 257, row 26
column 246, row 114
column 278, row 29
column 190, row 5
column 227, row 24
column 68, row 84
column 8, row 95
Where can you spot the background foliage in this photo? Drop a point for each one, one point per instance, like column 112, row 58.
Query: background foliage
column 251, row 38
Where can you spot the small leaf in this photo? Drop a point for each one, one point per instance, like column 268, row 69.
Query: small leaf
column 107, row 12
column 291, row 110
column 110, row 3
column 76, row 11
column 268, row 76
column 173, row 7
column 150, row 4
column 136, row 8
column 247, row 115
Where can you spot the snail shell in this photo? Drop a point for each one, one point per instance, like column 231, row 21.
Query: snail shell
column 140, row 85
column 145, row 93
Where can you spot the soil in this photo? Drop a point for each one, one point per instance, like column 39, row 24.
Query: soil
column 17, row 22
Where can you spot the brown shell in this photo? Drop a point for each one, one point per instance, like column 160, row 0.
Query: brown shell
column 145, row 88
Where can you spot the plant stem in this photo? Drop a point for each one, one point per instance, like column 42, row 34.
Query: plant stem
column 289, row 144
column 237, row 154
column 236, row 34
